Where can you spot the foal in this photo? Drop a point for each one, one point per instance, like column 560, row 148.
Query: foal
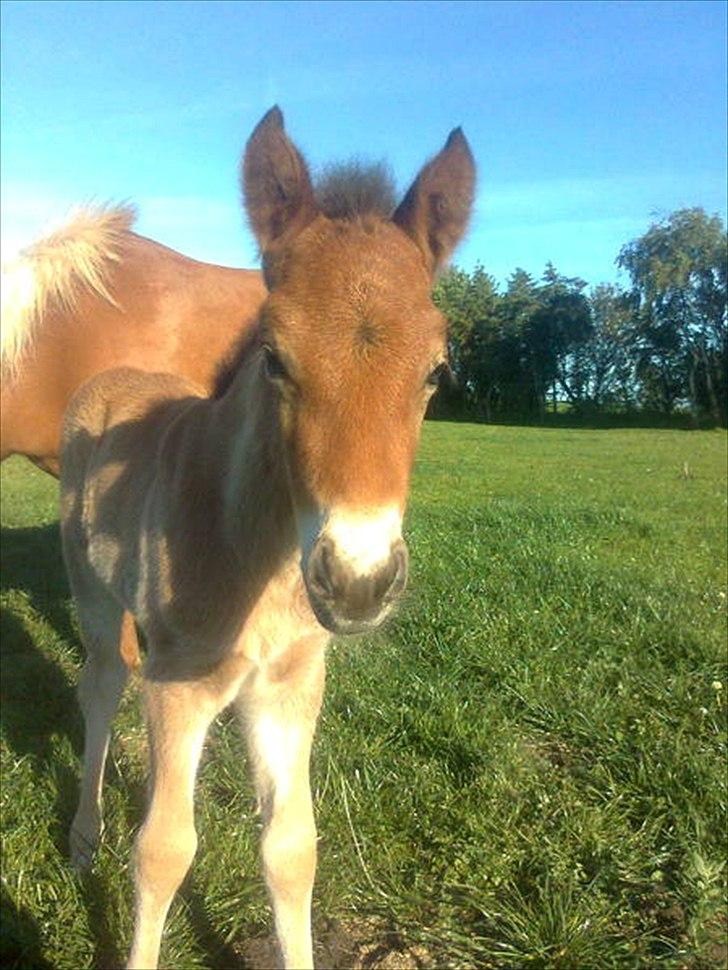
column 241, row 531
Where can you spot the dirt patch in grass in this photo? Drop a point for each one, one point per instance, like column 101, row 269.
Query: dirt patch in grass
column 716, row 945
column 366, row 944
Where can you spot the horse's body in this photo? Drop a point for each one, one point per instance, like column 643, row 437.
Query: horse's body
column 94, row 296
column 240, row 530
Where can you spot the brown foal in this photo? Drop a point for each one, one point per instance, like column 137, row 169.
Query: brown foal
column 241, row 530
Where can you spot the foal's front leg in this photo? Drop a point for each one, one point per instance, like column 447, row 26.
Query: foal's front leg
column 178, row 716
column 280, row 719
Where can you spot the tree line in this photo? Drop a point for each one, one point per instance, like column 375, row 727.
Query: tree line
column 658, row 345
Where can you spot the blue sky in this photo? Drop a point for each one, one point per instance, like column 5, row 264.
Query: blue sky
column 588, row 120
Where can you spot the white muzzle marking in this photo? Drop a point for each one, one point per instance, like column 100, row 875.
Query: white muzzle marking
column 362, row 538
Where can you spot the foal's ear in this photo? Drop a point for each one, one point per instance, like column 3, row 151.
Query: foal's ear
column 276, row 184
column 436, row 209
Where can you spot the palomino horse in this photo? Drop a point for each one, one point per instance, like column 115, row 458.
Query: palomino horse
column 241, row 530
column 95, row 295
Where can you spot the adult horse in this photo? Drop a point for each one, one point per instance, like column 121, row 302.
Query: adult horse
column 241, row 530
column 95, row 295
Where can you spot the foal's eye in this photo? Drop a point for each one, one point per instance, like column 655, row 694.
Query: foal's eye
column 274, row 367
column 436, row 375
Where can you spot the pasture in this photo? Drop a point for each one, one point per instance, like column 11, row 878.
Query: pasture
column 525, row 768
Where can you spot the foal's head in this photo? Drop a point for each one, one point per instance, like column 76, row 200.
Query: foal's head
column 354, row 346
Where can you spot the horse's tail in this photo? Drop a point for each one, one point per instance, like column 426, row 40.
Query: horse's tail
column 55, row 270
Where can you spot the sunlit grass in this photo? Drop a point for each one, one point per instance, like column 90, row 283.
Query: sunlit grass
column 526, row 769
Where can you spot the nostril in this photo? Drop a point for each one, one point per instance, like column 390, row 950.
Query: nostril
column 384, row 579
column 396, row 571
column 319, row 569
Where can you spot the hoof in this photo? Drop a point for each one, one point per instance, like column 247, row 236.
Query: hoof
column 83, row 847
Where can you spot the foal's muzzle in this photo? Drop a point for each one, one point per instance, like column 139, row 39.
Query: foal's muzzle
column 345, row 601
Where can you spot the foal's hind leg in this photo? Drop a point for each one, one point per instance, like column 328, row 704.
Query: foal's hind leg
column 106, row 633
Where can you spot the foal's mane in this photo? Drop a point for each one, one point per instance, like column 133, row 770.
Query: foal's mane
column 243, row 348
column 57, row 268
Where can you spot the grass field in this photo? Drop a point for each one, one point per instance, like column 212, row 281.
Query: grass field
column 527, row 768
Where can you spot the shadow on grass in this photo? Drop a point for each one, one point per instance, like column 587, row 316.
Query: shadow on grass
column 38, row 702
column 38, row 705
column 32, row 561
column 107, row 949
column 20, row 941
column 220, row 954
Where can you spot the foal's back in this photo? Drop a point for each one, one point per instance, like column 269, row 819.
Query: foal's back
column 113, row 431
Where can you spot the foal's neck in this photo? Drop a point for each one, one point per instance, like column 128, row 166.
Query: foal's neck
column 245, row 450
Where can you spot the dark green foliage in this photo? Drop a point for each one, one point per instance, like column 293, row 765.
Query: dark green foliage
column 506, row 351
column 678, row 272
column 470, row 302
column 598, row 374
column 662, row 347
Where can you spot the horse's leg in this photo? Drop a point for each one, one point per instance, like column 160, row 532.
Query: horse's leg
column 100, row 687
column 178, row 716
column 106, row 638
column 280, row 720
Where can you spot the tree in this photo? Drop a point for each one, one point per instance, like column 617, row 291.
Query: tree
column 517, row 393
column 678, row 272
column 599, row 372
column 560, row 324
column 470, row 302
column 506, row 350
column 659, row 345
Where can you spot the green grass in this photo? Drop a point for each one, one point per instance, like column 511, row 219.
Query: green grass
column 527, row 768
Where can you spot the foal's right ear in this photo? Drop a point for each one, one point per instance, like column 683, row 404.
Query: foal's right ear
column 436, row 209
column 278, row 193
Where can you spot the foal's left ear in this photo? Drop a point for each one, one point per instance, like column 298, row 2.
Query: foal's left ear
column 279, row 196
column 436, row 209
